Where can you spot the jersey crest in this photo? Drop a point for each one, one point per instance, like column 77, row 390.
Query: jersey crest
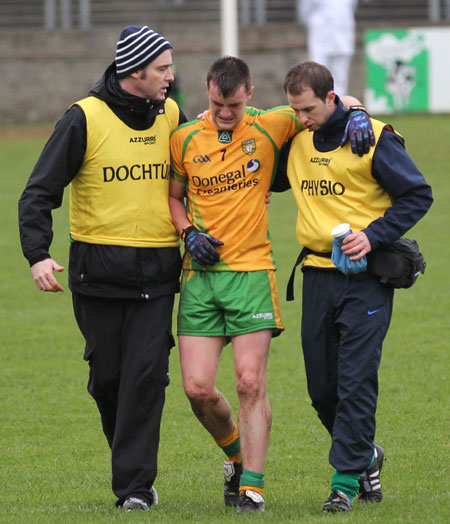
column 249, row 146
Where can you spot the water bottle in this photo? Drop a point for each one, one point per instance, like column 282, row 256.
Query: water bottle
column 341, row 231
column 341, row 261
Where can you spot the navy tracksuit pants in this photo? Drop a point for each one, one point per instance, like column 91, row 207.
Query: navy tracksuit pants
column 127, row 346
column 344, row 323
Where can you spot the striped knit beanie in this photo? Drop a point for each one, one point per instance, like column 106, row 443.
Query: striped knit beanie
column 136, row 48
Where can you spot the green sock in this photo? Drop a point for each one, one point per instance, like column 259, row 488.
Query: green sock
column 252, row 478
column 347, row 482
column 233, row 449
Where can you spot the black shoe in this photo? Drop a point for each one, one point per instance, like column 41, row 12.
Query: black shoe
column 154, row 496
column 131, row 503
column 337, row 501
column 249, row 502
column 232, row 472
column 369, row 481
column 137, row 502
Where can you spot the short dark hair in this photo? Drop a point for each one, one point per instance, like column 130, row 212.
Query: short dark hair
column 228, row 74
column 309, row 74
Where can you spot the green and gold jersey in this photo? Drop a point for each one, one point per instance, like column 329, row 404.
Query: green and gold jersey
column 227, row 175
column 330, row 188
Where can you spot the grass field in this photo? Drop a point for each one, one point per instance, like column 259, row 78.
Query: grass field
column 54, row 461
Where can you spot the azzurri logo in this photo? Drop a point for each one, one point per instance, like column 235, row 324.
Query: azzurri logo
column 147, row 140
column 253, row 166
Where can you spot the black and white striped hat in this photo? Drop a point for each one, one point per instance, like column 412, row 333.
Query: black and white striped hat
column 136, row 48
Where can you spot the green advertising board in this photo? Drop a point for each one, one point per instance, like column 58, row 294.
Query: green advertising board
column 397, row 71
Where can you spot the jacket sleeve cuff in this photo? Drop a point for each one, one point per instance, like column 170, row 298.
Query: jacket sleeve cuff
column 38, row 258
column 374, row 243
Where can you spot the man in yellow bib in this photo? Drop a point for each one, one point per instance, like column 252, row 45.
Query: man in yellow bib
column 345, row 311
column 113, row 149
column 224, row 166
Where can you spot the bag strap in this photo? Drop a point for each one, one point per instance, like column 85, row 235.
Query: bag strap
column 303, row 253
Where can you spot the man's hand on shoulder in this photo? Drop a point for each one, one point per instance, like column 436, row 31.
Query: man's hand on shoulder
column 42, row 273
column 203, row 115
column 359, row 131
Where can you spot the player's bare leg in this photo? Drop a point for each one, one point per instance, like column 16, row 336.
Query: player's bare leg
column 199, row 358
column 251, row 352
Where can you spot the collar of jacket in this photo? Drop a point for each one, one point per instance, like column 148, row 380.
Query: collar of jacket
column 109, row 90
column 329, row 135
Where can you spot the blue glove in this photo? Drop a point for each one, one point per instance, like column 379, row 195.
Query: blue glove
column 343, row 262
column 359, row 131
column 201, row 246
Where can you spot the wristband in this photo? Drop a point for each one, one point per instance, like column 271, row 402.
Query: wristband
column 185, row 232
column 358, row 108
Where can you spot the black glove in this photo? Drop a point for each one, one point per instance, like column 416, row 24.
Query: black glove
column 201, row 246
column 359, row 131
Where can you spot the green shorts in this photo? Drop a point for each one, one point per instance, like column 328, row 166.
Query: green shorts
column 228, row 303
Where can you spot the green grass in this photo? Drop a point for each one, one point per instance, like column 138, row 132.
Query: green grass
column 54, row 461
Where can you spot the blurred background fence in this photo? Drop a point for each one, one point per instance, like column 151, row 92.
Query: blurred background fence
column 66, row 14
column 52, row 51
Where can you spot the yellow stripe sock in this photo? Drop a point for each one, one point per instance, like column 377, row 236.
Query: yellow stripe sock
column 251, row 488
column 231, row 442
column 251, row 480
column 235, row 458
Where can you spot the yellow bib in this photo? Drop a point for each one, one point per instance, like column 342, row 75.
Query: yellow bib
column 330, row 188
column 120, row 194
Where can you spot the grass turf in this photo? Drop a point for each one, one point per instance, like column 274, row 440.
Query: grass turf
column 54, row 460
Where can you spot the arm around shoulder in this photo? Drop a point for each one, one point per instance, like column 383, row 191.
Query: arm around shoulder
column 281, row 182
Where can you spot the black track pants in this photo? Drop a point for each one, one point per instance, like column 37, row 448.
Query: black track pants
column 344, row 322
column 127, row 346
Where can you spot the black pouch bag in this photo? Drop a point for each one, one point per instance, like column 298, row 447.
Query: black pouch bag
column 397, row 264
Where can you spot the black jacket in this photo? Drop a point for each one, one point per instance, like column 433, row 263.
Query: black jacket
column 107, row 271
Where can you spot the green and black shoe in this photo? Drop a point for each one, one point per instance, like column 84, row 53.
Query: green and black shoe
column 249, row 502
column 337, row 501
column 369, row 482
